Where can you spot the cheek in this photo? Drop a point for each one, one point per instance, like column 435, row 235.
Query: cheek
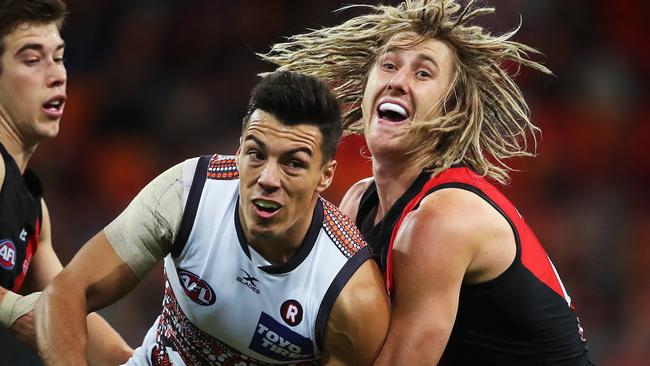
column 16, row 103
column 428, row 102
column 373, row 83
column 300, row 191
column 366, row 101
column 247, row 178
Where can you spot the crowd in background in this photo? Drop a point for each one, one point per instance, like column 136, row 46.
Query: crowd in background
column 154, row 82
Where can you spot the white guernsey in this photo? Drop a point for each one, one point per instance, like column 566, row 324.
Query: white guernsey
column 224, row 303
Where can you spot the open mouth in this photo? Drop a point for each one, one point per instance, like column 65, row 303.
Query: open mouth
column 392, row 112
column 55, row 104
column 265, row 206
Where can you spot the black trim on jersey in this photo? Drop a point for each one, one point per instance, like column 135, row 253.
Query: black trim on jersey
column 341, row 279
column 32, row 182
column 243, row 243
column 378, row 236
column 302, row 252
column 480, row 193
column 306, row 246
column 192, row 205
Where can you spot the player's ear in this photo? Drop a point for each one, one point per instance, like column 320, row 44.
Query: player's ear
column 327, row 175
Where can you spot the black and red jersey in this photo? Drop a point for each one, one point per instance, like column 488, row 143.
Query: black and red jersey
column 20, row 222
column 522, row 317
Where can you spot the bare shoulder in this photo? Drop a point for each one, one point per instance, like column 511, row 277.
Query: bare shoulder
column 431, row 254
column 350, row 202
column 364, row 331
column 436, row 236
column 365, row 288
column 459, row 223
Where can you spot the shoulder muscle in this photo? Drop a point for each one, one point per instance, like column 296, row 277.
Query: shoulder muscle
column 359, row 319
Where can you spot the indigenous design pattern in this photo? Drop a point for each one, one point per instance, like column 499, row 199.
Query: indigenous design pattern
column 223, row 167
column 194, row 346
column 341, row 230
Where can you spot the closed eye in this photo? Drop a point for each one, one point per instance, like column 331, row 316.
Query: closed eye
column 31, row 61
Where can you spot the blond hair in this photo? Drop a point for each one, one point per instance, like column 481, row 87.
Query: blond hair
column 485, row 117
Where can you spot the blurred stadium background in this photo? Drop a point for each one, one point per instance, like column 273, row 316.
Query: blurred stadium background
column 153, row 82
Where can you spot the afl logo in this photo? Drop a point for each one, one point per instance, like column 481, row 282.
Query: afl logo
column 196, row 289
column 7, row 255
column 291, row 312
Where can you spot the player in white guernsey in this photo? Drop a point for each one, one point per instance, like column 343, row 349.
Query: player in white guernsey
column 259, row 268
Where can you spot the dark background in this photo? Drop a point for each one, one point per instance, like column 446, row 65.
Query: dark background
column 152, row 83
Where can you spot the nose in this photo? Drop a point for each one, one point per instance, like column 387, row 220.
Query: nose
column 399, row 80
column 269, row 178
column 56, row 75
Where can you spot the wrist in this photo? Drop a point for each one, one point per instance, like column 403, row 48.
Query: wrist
column 13, row 306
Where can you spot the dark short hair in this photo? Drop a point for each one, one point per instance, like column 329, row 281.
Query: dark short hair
column 16, row 12
column 296, row 99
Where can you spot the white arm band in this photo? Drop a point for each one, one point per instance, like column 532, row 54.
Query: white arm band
column 14, row 306
column 144, row 232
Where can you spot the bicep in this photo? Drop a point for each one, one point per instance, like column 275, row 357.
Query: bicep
column 359, row 320
column 99, row 272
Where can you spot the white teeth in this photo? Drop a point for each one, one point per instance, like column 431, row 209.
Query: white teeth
column 267, row 204
column 55, row 104
column 384, row 107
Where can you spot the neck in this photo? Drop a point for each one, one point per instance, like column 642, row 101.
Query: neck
column 392, row 180
column 17, row 148
column 275, row 250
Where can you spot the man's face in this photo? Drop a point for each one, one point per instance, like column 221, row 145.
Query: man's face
column 32, row 82
column 282, row 171
column 405, row 84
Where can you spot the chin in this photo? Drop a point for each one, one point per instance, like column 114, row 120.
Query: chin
column 52, row 134
column 263, row 232
column 387, row 144
column 49, row 131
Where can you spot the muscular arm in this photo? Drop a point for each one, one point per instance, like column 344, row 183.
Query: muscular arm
column 95, row 277
column 359, row 319
column 453, row 237
column 108, row 267
column 105, row 345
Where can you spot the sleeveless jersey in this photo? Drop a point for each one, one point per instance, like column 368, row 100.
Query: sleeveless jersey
column 225, row 305
column 20, row 222
column 522, row 317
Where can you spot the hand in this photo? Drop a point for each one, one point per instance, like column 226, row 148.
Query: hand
column 24, row 331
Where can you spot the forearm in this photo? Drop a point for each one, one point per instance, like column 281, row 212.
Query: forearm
column 415, row 350
column 105, row 345
column 61, row 325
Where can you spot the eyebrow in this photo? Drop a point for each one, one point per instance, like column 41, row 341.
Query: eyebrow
column 37, row 47
column 420, row 56
column 263, row 146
